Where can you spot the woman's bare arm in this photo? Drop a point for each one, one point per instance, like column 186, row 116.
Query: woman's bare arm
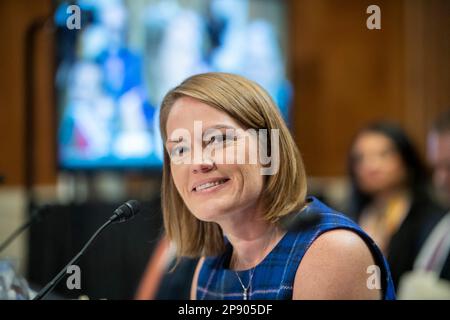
column 335, row 267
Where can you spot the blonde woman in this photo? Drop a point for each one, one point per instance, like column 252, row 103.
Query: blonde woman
column 228, row 212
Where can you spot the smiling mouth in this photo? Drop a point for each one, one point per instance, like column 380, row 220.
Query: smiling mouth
column 210, row 185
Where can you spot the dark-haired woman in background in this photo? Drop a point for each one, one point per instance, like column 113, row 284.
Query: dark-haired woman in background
column 390, row 197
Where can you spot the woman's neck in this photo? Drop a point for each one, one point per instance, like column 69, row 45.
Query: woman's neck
column 383, row 198
column 252, row 238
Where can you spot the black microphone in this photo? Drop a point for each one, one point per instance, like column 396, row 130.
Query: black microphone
column 126, row 211
column 123, row 213
column 301, row 221
column 36, row 214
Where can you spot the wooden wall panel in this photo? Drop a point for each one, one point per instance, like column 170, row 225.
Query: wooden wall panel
column 346, row 76
column 15, row 17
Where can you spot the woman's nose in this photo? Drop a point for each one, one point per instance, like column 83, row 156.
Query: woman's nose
column 204, row 166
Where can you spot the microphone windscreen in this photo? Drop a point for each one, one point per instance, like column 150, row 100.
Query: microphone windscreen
column 126, row 211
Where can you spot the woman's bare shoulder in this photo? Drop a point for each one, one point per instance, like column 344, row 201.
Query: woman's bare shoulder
column 335, row 267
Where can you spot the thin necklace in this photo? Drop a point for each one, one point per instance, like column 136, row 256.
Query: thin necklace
column 246, row 289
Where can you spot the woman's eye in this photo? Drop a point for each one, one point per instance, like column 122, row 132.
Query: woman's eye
column 178, row 151
column 358, row 158
column 387, row 153
column 220, row 139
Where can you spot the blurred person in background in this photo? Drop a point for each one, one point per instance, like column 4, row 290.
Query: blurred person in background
column 438, row 153
column 390, row 194
column 430, row 278
column 165, row 277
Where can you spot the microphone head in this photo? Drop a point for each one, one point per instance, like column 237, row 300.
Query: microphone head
column 126, row 211
column 302, row 220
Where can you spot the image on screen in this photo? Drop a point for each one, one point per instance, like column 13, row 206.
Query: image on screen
column 112, row 73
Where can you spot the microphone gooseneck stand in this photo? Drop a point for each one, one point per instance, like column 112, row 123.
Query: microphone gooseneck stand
column 123, row 213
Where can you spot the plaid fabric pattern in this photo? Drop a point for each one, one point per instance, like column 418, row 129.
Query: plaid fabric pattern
column 273, row 278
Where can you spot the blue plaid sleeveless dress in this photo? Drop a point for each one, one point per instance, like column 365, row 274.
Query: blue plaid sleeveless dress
column 274, row 277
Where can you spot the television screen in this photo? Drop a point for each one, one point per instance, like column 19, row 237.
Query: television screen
column 113, row 71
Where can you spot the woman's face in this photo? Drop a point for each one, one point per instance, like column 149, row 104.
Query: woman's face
column 210, row 188
column 378, row 166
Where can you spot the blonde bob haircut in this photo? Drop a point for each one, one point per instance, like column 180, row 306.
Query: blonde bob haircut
column 251, row 106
